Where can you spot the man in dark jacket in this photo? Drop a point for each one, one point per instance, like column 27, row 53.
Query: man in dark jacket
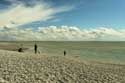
column 35, row 48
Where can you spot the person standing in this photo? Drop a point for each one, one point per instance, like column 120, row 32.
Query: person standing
column 35, row 48
column 64, row 53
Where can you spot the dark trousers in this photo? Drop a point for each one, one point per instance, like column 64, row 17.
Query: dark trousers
column 35, row 51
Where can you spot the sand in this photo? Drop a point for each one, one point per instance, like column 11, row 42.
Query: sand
column 30, row 68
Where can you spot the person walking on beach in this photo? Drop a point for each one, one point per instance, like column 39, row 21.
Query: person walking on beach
column 64, row 53
column 35, row 48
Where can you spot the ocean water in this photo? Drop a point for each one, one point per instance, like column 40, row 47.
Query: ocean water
column 108, row 52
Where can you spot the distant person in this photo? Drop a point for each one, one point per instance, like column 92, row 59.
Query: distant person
column 64, row 53
column 20, row 50
column 35, row 48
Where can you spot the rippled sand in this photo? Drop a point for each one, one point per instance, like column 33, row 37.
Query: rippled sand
column 29, row 68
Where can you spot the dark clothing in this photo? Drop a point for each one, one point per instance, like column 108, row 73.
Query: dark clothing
column 20, row 50
column 35, row 48
column 64, row 52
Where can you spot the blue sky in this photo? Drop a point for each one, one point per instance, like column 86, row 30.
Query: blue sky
column 92, row 14
column 62, row 20
column 85, row 14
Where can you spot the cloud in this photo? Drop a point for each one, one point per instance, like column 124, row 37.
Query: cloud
column 62, row 33
column 20, row 14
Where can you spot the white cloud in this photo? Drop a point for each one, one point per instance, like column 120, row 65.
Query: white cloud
column 19, row 14
column 63, row 33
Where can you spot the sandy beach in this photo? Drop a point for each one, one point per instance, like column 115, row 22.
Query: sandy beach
column 30, row 68
column 62, row 41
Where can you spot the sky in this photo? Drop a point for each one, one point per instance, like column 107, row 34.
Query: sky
column 62, row 20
